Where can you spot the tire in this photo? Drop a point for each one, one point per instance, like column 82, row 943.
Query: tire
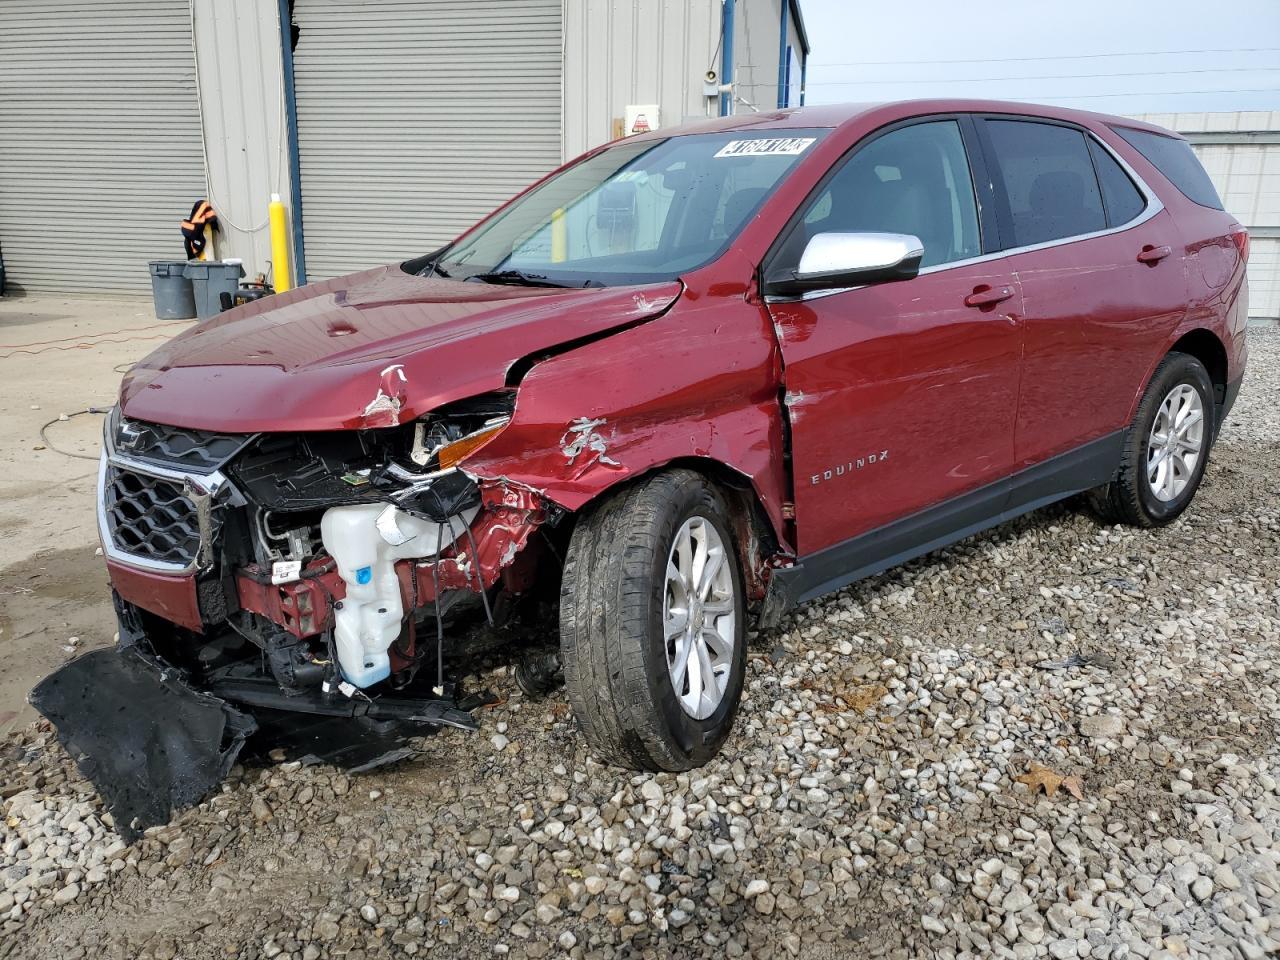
column 1131, row 498
column 614, row 598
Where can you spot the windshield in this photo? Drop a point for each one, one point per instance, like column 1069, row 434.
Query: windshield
column 636, row 212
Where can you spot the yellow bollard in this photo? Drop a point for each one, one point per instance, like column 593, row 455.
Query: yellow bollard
column 559, row 237
column 280, row 275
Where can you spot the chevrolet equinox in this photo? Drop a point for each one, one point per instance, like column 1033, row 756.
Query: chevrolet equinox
column 692, row 377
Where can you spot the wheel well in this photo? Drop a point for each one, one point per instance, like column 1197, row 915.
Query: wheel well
column 755, row 534
column 1205, row 346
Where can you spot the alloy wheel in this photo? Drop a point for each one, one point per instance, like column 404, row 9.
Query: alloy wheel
column 699, row 615
column 1176, row 442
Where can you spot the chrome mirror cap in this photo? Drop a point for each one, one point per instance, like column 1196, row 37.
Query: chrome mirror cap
column 855, row 252
column 835, row 260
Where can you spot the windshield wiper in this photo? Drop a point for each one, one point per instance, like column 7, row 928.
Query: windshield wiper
column 516, row 278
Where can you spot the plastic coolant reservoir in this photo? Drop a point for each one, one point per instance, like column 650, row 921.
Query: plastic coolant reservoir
column 365, row 541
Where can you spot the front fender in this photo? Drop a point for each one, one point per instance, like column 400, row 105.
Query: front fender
column 699, row 382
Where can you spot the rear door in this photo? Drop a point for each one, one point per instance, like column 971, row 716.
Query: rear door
column 1103, row 284
column 899, row 395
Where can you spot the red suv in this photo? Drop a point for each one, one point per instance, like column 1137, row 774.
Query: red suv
column 694, row 376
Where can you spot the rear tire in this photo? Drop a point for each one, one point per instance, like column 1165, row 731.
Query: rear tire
column 619, row 602
column 1166, row 448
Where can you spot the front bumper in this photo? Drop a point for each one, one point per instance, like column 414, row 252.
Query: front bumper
column 148, row 741
column 153, row 739
column 172, row 596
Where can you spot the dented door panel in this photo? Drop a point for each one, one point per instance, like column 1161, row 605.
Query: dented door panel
column 899, row 396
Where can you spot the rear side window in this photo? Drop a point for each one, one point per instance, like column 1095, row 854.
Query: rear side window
column 1048, row 177
column 1177, row 161
column 1122, row 200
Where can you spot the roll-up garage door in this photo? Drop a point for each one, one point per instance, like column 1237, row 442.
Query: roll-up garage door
column 100, row 150
column 417, row 117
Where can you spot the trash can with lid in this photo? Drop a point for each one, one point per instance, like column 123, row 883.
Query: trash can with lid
column 171, row 290
column 209, row 279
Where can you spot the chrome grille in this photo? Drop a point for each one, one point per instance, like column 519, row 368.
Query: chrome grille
column 198, row 451
column 151, row 518
column 161, row 498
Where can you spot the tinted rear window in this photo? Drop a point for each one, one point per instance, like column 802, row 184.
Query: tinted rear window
column 1177, row 161
column 1119, row 195
column 1048, row 178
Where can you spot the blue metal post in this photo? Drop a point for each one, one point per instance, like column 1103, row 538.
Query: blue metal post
column 783, row 92
column 804, row 71
column 726, row 57
column 291, row 121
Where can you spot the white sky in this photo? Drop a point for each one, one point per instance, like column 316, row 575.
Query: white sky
column 1115, row 56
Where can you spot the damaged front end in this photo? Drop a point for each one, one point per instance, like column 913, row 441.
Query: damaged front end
column 342, row 576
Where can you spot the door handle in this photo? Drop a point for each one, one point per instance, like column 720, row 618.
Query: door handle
column 1152, row 254
column 985, row 296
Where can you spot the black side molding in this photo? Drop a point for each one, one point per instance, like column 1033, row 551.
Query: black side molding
column 867, row 554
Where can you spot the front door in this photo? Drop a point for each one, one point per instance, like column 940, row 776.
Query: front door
column 899, row 395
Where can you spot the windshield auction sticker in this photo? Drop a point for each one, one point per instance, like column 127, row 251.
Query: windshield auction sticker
column 779, row 146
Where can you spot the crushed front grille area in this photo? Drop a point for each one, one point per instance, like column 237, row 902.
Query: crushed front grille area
column 151, row 518
column 198, row 451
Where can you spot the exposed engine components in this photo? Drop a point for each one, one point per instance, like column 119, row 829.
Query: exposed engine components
column 366, row 540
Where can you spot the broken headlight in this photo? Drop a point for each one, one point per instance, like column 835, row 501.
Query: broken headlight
column 446, row 437
column 411, row 465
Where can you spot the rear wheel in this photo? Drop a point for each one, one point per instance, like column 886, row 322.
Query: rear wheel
column 1166, row 447
column 652, row 617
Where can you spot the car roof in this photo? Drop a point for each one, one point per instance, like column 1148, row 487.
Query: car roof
column 842, row 114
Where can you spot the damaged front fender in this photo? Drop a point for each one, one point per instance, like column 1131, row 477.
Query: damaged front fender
column 699, row 383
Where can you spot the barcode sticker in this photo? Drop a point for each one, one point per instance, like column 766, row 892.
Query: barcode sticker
column 776, row 146
column 286, row 571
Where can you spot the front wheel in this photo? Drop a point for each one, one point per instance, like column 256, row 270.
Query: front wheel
column 652, row 613
column 1165, row 448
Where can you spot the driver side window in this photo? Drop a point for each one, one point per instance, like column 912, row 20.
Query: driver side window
column 912, row 180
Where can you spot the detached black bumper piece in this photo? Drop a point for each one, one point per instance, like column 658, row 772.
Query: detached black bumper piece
column 152, row 744
column 149, row 742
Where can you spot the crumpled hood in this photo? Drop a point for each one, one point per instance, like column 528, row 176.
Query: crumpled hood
column 367, row 350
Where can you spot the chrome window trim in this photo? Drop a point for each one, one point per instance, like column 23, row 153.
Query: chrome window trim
column 200, row 488
column 1154, row 206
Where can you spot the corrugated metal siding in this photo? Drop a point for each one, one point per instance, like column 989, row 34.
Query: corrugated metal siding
column 1186, row 123
column 1248, row 179
column 1247, row 176
column 99, row 141
column 1264, row 278
column 416, row 118
column 242, row 107
column 635, row 51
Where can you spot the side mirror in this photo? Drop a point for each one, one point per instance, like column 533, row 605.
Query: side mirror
column 834, row 260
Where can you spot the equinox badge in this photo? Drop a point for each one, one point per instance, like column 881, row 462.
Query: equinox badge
column 841, row 469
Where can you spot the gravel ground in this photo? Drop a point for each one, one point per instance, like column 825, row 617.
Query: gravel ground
column 875, row 800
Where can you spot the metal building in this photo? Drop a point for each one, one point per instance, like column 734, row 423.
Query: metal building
column 386, row 127
column 1241, row 153
column 100, row 144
